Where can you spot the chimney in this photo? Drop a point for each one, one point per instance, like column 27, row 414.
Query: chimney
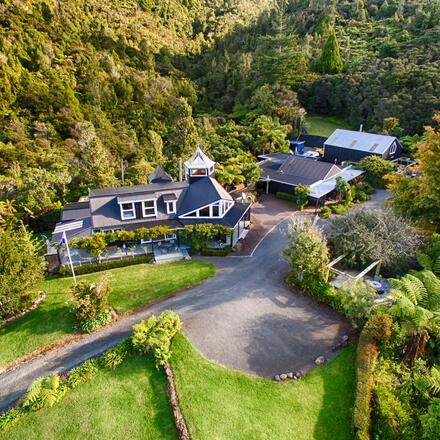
column 180, row 169
column 361, row 128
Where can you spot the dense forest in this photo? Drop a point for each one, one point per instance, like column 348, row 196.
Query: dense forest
column 88, row 89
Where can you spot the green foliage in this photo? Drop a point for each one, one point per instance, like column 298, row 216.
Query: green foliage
column 270, row 136
column 330, row 60
column 21, row 268
column 286, row 196
column 431, row 421
column 115, row 356
column 43, row 392
column 83, row 373
column 375, row 169
column 65, row 271
column 307, row 252
column 216, row 252
column 197, row 236
column 379, row 327
column 365, row 365
column 156, row 333
column 357, row 299
column 366, row 236
column 237, row 170
column 95, row 244
column 339, row 208
column 302, row 193
column 90, row 304
column 325, row 212
column 9, row 418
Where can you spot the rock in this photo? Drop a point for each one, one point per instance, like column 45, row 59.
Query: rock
column 283, row 376
column 290, row 375
column 299, row 374
column 320, row 360
column 345, row 338
column 277, row 377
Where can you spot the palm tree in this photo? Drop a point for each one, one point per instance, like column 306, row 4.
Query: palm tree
column 417, row 306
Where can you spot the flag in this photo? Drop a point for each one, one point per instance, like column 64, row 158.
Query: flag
column 62, row 241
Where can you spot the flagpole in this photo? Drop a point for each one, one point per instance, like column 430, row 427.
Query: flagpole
column 70, row 258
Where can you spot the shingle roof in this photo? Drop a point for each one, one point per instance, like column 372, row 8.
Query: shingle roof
column 232, row 217
column 199, row 160
column 137, row 189
column 295, row 170
column 201, row 193
column 360, row 141
column 159, row 175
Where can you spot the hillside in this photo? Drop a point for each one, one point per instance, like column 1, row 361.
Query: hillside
column 89, row 88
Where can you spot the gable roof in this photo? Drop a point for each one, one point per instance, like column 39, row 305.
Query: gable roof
column 201, row 193
column 199, row 160
column 137, row 189
column 295, row 170
column 159, row 175
column 360, row 141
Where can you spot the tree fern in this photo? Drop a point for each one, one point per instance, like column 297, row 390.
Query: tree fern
column 32, row 396
column 430, row 383
column 425, row 261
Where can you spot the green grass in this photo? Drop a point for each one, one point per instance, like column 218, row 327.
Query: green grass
column 325, row 125
column 220, row 404
column 132, row 286
column 129, row 403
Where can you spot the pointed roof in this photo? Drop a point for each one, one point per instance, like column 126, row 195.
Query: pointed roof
column 199, row 160
column 159, row 175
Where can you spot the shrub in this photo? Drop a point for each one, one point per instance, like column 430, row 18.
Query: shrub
column 106, row 265
column 360, row 196
column 340, row 208
column 307, row 251
column 380, row 327
column 357, row 300
column 375, row 168
column 10, row 418
column 325, row 212
column 366, row 236
column 365, row 364
column 21, row 269
column 365, row 187
column 156, row 333
column 286, row 196
column 82, row 374
column 116, row 355
column 431, row 421
column 216, row 252
column 302, row 193
column 90, row 304
column 43, row 392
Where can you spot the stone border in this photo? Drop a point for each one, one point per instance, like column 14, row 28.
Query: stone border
column 41, row 296
column 182, row 430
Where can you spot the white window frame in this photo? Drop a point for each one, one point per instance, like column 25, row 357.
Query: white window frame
column 149, row 208
column 205, row 173
column 170, row 236
column 171, row 207
column 125, row 211
column 393, row 148
column 224, row 207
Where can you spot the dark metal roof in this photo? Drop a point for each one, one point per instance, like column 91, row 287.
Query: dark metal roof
column 169, row 197
column 202, row 192
column 75, row 211
column 159, row 175
column 137, row 189
column 232, row 217
column 295, row 170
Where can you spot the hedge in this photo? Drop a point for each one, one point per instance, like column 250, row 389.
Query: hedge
column 286, row 196
column 365, row 364
column 216, row 252
column 64, row 271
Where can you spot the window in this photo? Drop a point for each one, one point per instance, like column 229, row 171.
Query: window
column 393, row 149
column 149, row 208
column 216, row 210
column 171, row 207
column 198, row 172
column 127, row 211
column 204, row 212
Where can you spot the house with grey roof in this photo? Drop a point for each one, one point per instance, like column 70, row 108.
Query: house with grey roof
column 162, row 202
column 282, row 172
column 352, row 146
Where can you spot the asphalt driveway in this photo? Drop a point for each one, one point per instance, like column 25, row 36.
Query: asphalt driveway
column 245, row 318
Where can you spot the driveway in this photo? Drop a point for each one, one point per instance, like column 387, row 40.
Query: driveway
column 245, row 318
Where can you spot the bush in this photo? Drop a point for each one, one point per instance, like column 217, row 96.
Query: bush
column 286, row 196
column 156, row 333
column 357, row 300
column 21, row 269
column 82, row 373
column 375, row 169
column 365, row 187
column 325, row 212
column 340, row 208
column 10, row 418
column 365, row 364
column 43, row 392
column 360, row 196
column 380, row 327
column 90, row 304
column 116, row 355
column 216, row 252
column 106, row 265
column 431, row 421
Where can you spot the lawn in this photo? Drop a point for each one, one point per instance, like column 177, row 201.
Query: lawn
column 132, row 286
column 325, row 125
column 221, row 404
column 129, row 402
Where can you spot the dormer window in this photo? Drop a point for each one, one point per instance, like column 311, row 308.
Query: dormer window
column 127, row 211
column 171, row 207
column 149, row 208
